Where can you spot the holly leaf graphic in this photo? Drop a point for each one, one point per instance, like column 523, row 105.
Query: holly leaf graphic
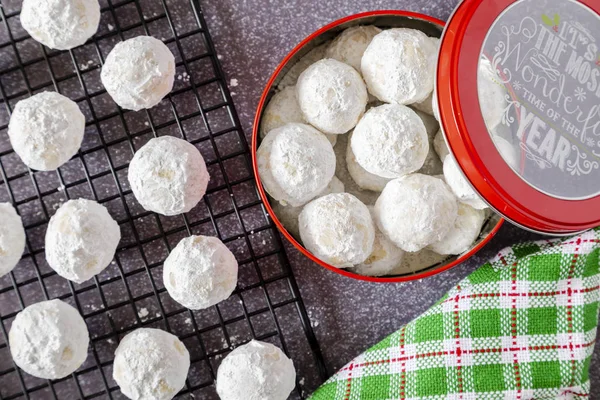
column 546, row 19
column 556, row 19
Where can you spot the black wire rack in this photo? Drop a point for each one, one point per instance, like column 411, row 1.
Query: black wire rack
column 129, row 294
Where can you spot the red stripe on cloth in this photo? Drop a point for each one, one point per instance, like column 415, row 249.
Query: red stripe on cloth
column 513, row 325
column 457, row 337
column 570, row 308
column 349, row 382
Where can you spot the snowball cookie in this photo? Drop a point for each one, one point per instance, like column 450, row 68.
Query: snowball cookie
column 390, row 141
column 361, row 176
column 465, row 231
column 314, row 55
column 507, row 151
column 332, row 96
column 440, row 146
column 426, row 105
column 432, row 164
column 350, row 45
column 200, row 272
column 168, row 176
column 81, row 240
column 12, row 238
column 296, row 162
column 151, row 364
column 460, row 186
column 415, row 211
column 368, row 197
column 49, row 340
column 288, row 215
column 492, row 94
column 139, row 72
column 399, row 66
column 60, row 24
column 384, row 258
column 46, row 130
column 338, row 229
column 435, row 107
column 283, row 109
column 256, row 371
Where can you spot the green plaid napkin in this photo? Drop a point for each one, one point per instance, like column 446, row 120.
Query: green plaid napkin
column 522, row 326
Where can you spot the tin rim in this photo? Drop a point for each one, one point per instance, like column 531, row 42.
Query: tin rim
column 254, row 145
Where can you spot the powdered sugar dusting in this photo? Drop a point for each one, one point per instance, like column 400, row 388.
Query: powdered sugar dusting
column 350, row 45
column 12, row 238
column 296, row 163
column 361, row 176
column 139, row 72
column 416, row 211
column 61, row 24
column 81, row 240
column 151, row 364
column 256, row 371
column 168, row 176
column 49, row 339
column 465, row 231
column 46, row 130
column 332, row 96
column 338, row 229
column 460, row 186
column 390, row 141
column 399, row 65
column 200, row 272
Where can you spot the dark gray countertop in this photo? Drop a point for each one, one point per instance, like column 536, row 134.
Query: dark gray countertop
column 252, row 36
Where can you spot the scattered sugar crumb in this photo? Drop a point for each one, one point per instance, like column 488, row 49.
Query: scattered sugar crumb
column 110, row 27
column 233, row 93
column 111, row 341
column 179, row 77
column 264, row 242
column 220, row 57
column 301, row 382
column 147, row 123
column 90, row 61
column 143, row 313
column 233, row 82
column 61, row 188
column 157, row 315
column 188, row 321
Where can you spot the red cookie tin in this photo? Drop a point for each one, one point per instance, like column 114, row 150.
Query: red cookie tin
column 384, row 19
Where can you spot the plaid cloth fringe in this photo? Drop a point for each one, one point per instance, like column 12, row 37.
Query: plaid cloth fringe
column 522, row 326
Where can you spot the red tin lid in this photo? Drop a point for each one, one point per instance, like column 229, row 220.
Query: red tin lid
column 518, row 88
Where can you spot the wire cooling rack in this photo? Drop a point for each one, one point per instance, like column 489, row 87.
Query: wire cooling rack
column 129, row 293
